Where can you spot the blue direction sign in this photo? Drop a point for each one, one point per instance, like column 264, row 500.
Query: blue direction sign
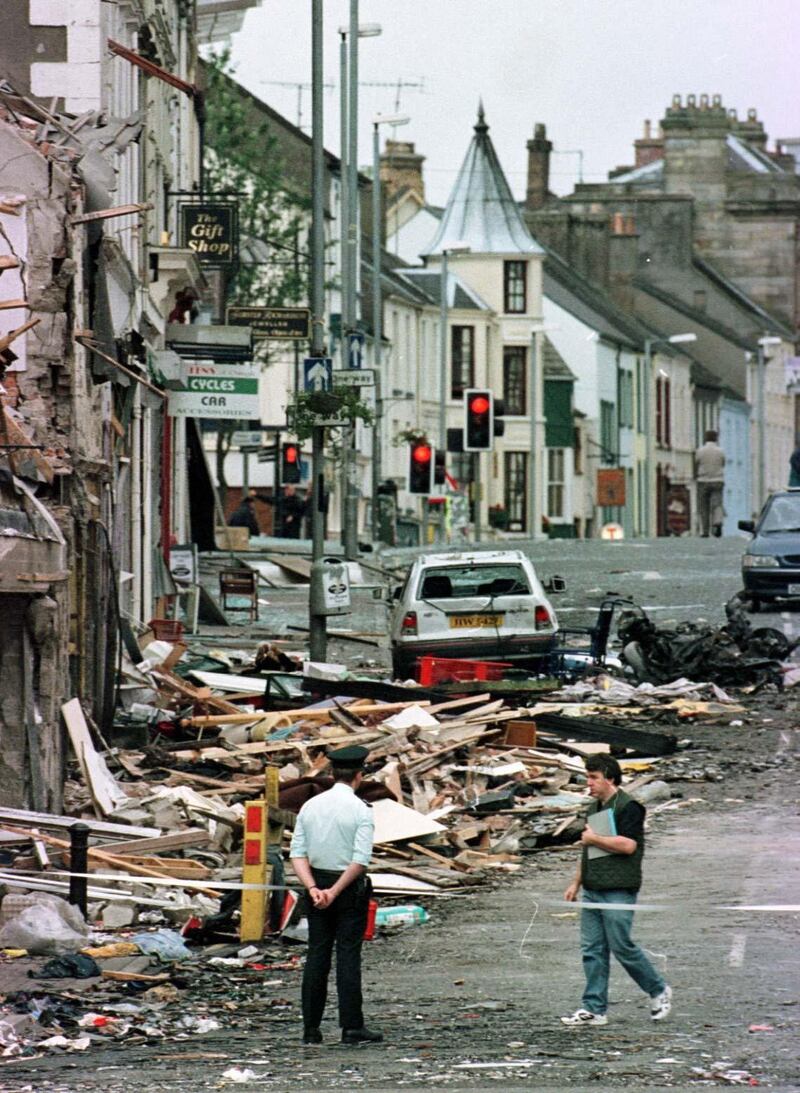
column 355, row 349
column 317, row 373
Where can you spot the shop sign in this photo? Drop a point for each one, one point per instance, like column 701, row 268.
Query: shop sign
column 218, row 391
column 211, row 230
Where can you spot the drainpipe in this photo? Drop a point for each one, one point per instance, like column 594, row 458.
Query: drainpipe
column 136, row 505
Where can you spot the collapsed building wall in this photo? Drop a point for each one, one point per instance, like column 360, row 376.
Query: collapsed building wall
column 46, row 420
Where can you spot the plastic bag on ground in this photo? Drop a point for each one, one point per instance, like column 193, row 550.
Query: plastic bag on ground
column 69, row 966
column 42, row 924
column 165, row 944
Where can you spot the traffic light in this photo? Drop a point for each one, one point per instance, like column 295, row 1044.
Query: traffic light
column 290, row 464
column 499, row 424
column 440, row 468
column 421, row 462
column 479, row 417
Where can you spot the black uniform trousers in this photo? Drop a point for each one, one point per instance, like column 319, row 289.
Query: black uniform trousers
column 343, row 924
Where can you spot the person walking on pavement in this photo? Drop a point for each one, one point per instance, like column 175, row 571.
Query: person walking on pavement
column 794, row 467
column 610, row 872
column 709, row 473
column 330, row 851
column 292, row 510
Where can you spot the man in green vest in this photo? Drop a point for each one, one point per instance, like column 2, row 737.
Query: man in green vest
column 610, row 872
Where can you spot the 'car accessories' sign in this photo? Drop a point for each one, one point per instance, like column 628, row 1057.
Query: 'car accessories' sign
column 211, row 230
column 218, row 391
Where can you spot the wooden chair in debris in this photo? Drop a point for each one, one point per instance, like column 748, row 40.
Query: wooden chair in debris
column 239, row 584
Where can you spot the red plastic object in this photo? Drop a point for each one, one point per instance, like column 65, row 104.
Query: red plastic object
column 369, row 929
column 166, row 629
column 434, row 670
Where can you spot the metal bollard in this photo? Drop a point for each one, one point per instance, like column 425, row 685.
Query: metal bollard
column 78, row 863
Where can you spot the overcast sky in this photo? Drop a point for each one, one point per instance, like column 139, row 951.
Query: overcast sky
column 591, row 70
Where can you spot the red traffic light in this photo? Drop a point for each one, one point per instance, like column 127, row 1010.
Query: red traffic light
column 421, row 453
column 290, row 453
column 479, row 405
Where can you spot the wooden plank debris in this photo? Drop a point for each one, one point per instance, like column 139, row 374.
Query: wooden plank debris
column 104, row 788
column 98, row 828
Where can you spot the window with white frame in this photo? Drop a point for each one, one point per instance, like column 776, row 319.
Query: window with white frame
column 555, row 483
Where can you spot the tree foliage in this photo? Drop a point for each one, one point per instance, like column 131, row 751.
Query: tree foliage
column 242, row 158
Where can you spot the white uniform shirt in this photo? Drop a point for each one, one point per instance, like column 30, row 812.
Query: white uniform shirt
column 333, row 830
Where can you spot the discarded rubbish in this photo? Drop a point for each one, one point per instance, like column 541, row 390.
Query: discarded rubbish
column 165, row 944
column 41, row 923
column 406, row 914
column 236, row 1074
column 69, row 966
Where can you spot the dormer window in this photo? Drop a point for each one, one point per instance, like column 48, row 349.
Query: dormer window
column 514, row 287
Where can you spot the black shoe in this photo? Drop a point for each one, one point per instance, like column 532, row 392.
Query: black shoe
column 312, row 1036
column 361, row 1036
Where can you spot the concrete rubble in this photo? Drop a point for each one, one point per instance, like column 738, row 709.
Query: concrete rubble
column 465, row 780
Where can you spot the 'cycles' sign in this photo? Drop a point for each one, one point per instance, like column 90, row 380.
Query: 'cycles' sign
column 211, row 230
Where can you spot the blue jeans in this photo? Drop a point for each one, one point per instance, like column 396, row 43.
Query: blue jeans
column 606, row 932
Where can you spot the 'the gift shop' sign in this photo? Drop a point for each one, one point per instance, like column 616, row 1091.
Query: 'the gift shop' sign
column 211, row 230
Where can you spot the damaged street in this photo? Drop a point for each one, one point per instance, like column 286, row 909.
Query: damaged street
column 399, row 546
column 475, row 954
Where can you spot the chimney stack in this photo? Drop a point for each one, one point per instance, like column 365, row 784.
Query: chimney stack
column 648, row 148
column 623, row 257
column 539, row 150
column 400, row 166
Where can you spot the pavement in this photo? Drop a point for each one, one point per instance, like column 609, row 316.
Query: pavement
column 472, row 999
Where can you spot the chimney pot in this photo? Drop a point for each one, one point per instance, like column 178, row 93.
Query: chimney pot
column 704, row 102
column 717, row 100
column 676, row 100
column 691, row 101
column 647, row 129
column 618, row 224
column 752, row 114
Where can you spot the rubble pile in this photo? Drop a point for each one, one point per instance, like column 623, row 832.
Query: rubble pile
column 463, row 782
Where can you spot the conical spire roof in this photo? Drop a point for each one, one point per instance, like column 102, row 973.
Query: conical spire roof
column 481, row 210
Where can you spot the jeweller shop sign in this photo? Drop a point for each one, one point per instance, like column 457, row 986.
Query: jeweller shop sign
column 218, row 391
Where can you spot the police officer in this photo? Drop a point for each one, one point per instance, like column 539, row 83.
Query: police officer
column 330, row 851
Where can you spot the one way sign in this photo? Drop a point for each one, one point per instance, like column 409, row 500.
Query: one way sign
column 317, row 373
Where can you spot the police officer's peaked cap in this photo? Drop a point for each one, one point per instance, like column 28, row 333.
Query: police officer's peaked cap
column 353, row 756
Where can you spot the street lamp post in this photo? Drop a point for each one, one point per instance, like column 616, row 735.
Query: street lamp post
column 349, row 61
column 649, row 343
column 317, row 622
column 761, row 365
column 451, row 248
column 377, row 309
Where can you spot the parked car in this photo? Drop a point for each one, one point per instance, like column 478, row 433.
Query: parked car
column 771, row 563
column 479, row 605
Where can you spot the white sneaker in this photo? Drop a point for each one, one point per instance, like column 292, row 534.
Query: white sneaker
column 585, row 1017
column 661, row 1004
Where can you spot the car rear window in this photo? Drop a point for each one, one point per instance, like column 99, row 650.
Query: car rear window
column 783, row 514
column 454, row 581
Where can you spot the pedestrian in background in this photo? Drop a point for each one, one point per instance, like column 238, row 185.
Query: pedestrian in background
column 243, row 516
column 610, row 872
column 330, row 851
column 709, row 474
column 794, row 467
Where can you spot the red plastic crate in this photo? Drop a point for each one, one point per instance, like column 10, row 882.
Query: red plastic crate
column 434, row 670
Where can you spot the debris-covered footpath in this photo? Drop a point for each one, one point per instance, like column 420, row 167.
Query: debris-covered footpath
column 185, row 972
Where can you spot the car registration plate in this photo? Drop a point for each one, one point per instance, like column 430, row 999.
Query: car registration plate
column 793, row 590
column 468, row 622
